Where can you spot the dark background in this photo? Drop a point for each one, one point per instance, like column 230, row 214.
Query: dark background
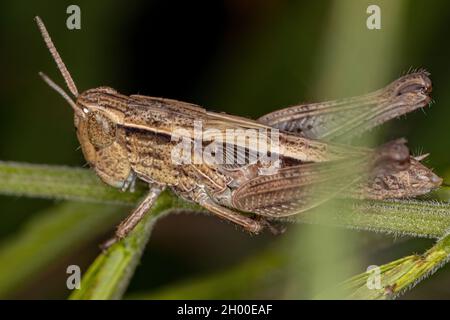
column 242, row 57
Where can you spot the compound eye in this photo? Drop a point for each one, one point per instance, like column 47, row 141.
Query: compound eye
column 101, row 130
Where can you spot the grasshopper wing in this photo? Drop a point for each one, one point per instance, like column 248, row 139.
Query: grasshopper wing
column 346, row 118
column 296, row 189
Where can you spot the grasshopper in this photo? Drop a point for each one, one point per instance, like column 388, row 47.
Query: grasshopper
column 125, row 138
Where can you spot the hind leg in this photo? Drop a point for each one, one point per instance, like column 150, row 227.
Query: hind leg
column 251, row 225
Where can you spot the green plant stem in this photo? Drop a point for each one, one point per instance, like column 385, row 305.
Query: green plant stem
column 400, row 275
column 60, row 182
column 425, row 219
column 109, row 275
column 400, row 217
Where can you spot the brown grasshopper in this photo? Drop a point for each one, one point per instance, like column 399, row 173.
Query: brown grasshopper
column 125, row 138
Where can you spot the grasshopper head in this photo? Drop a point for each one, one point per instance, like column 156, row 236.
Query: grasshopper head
column 96, row 125
column 414, row 181
column 97, row 114
column 97, row 119
column 102, row 140
column 397, row 174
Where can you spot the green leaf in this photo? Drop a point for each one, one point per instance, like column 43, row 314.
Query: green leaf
column 249, row 279
column 48, row 236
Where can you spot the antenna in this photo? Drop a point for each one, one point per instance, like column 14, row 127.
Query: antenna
column 58, row 89
column 61, row 66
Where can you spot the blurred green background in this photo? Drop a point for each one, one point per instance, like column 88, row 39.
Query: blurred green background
column 245, row 57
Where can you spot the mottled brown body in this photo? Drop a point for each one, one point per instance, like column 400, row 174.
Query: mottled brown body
column 125, row 138
column 138, row 131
